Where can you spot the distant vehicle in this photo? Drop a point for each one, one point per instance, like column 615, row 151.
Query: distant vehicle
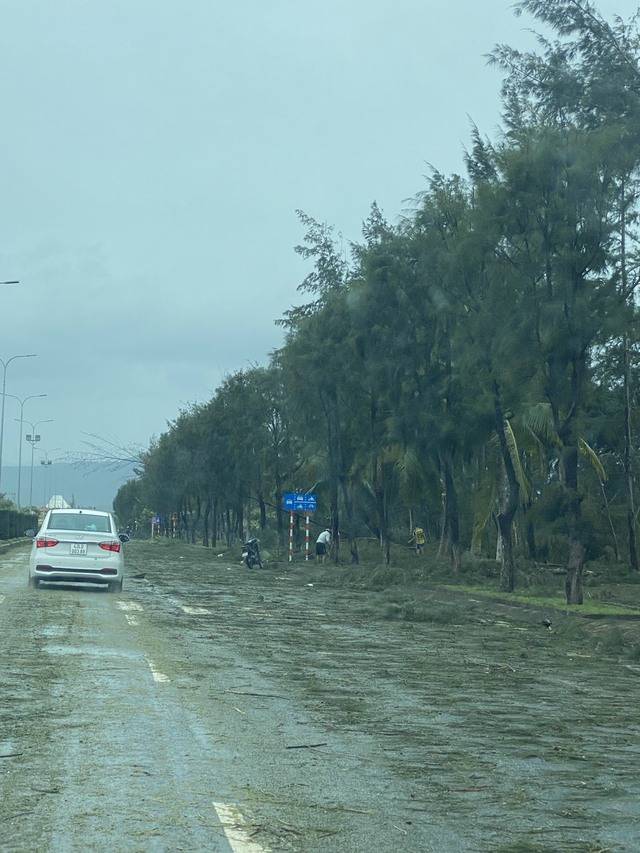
column 251, row 553
column 77, row 546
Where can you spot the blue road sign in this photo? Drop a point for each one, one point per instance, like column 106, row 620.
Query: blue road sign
column 300, row 502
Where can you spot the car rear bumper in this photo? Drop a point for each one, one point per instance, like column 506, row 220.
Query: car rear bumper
column 70, row 575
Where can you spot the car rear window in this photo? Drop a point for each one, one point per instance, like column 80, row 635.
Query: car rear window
column 80, row 521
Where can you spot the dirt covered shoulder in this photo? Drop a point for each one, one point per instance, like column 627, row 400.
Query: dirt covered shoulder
column 509, row 722
column 422, row 589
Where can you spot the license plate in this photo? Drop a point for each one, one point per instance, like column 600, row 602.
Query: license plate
column 78, row 550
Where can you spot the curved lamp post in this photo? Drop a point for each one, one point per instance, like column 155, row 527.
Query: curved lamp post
column 33, row 439
column 5, row 365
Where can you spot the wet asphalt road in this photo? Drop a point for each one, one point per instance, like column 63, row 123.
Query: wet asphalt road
column 206, row 709
column 126, row 723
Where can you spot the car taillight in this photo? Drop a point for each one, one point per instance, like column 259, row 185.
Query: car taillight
column 110, row 546
column 46, row 543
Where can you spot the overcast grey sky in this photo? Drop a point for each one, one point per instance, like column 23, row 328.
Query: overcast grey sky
column 153, row 155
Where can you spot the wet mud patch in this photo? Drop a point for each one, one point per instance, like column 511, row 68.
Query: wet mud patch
column 488, row 721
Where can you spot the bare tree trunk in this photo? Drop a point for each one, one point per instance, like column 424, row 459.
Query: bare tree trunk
column 569, row 468
column 614, row 536
column 509, row 498
column 348, row 506
column 532, row 548
column 263, row 511
column 228, row 526
column 205, row 523
column 280, row 513
column 195, row 521
column 333, row 439
column 240, row 520
column 381, row 508
column 450, row 541
column 499, row 543
column 185, row 522
column 628, row 466
column 575, row 563
column 508, row 566
column 442, row 545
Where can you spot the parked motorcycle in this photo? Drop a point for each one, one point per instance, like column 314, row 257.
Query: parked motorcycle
column 251, row 554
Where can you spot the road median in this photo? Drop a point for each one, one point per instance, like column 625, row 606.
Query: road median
column 8, row 544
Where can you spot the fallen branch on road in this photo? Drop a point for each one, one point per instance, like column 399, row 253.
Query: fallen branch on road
column 14, row 816
column 260, row 695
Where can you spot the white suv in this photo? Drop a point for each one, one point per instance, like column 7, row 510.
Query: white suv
column 77, row 546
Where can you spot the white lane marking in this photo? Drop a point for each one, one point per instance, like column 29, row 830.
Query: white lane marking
column 233, row 825
column 132, row 620
column 195, row 611
column 160, row 677
column 129, row 605
column 1, row 599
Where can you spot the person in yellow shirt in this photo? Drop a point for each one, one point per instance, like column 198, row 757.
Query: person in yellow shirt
column 418, row 539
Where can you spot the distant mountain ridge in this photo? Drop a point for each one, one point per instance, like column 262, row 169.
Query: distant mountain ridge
column 85, row 485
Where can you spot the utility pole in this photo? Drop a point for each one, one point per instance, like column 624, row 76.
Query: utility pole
column 46, row 462
column 5, row 365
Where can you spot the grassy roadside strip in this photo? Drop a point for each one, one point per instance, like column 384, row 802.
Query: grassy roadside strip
column 590, row 609
column 409, row 578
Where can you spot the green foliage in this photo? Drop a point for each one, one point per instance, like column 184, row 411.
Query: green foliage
column 6, row 503
column 461, row 370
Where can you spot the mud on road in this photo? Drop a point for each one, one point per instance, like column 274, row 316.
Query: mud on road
column 207, row 708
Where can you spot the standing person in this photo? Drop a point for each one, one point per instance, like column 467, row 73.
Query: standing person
column 322, row 544
column 418, row 538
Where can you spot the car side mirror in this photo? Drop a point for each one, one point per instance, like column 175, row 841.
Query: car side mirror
column 123, row 537
column 30, row 534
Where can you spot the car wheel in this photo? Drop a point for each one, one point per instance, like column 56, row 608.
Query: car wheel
column 115, row 586
column 34, row 583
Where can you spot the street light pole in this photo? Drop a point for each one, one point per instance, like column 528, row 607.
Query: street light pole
column 21, row 420
column 5, row 365
column 33, row 439
column 46, row 462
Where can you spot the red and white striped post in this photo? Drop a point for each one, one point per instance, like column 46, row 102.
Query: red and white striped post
column 307, row 522
column 291, row 523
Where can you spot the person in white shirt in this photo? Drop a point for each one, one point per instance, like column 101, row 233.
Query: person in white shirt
column 322, row 544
